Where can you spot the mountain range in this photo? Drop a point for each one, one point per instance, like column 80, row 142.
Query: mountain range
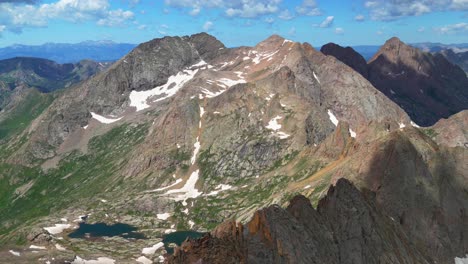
column 101, row 51
column 288, row 154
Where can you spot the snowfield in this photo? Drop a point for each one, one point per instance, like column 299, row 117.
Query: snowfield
column 163, row 216
column 57, row 229
column 100, row 260
column 103, row 119
column 332, row 117
column 275, row 126
column 139, row 99
column 188, row 190
column 153, row 249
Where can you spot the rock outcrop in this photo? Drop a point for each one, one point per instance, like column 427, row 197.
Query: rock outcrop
column 346, row 228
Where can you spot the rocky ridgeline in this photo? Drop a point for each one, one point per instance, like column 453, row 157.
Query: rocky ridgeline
column 346, row 228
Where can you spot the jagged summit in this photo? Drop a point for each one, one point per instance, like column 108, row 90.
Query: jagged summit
column 428, row 87
column 394, row 49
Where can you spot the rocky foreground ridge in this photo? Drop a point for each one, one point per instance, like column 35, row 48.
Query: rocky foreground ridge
column 345, row 228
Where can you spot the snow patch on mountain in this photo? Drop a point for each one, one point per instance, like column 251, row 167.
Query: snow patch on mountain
column 414, row 124
column 103, row 119
column 60, row 247
column 37, row 247
column 275, row 126
column 144, row 260
column 188, row 190
column 57, row 229
column 165, row 188
column 151, row 250
column 163, row 216
column 220, row 188
column 461, row 260
column 316, row 78
column 15, row 253
column 100, row 260
column 332, row 117
column 139, row 99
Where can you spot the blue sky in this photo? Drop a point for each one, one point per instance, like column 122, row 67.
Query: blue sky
column 234, row 22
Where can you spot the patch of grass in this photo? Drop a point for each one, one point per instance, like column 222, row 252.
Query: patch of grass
column 24, row 113
column 78, row 177
column 430, row 132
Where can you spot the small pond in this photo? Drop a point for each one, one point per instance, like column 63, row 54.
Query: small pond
column 103, row 230
column 179, row 237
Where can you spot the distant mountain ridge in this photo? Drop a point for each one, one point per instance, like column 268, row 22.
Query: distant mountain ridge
column 70, row 53
column 426, row 85
column 367, row 51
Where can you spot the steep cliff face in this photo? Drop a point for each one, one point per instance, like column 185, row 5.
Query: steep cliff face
column 456, row 57
column 345, row 228
column 428, row 87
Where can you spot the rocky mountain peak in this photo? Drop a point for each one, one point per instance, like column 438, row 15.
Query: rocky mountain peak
column 394, row 50
column 272, row 42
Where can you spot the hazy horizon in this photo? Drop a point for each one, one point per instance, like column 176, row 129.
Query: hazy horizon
column 235, row 23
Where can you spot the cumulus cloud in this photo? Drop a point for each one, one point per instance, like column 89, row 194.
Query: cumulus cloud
column 116, row 18
column 286, row 15
column 391, row 10
column 16, row 16
column 269, row 20
column 208, row 26
column 359, row 18
column 232, row 8
column 308, row 8
column 19, row 1
column 339, row 31
column 453, row 29
column 195, row 11
column 327, row 22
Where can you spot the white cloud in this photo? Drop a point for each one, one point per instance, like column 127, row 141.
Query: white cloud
column 195, row 11
column 142, row 27
column 286, row 15
column 327, row 22
column 339, row 31
column 18, row 16
column 208, row 26
column 391, row 10
column 269, row 20
column 421, row 29
column 359, row 18
column 308, row 8
column 233, row 8
column 116, row 18
column 453, row 29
